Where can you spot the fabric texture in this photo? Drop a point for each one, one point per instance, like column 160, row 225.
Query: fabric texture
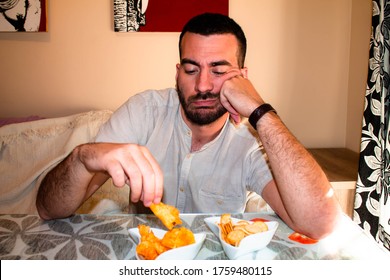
column 214, row 179
column 29, row 150
column 7, row 121
column 372, row 199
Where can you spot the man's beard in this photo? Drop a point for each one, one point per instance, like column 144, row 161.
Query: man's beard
column 201, row 115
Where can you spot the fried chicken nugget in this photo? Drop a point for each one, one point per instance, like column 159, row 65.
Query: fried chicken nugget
column 150, row 246
column 147, row 250
column 178, row 237
column 169, row 215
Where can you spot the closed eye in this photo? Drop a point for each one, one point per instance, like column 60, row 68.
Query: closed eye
column 191, row 71
column 219, row 73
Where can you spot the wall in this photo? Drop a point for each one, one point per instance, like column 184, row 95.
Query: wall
column 299, row 58
column 358, row 69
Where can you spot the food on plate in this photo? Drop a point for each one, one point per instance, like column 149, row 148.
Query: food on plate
column 234, row 237
column 226, row 225
column 234, row 233
column 150, row 246
column 256, row 227
column 178, row 237
column 168, row 214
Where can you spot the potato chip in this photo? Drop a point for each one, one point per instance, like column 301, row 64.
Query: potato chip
column 169, row 215
column 226, row 224
column 234, row 237
column 256, row 227
column 234, row 233
column 225, row 218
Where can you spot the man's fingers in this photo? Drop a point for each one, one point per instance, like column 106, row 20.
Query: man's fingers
column 131, row 164
column 130, row 175
column 145, row 176
column 117, row 174
column 236, row 118
column 135, row 182
column 158, row 177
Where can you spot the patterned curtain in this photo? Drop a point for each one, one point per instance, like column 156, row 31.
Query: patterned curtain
column 372, row 199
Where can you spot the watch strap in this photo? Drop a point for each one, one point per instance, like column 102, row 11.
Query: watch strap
column 259, row 112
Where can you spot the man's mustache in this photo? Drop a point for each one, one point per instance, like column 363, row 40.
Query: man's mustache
column 203, row 96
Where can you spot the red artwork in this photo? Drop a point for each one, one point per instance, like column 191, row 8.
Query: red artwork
column 161, row 15
column 171, row 15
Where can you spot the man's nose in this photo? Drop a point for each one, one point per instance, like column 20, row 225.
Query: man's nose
column 204, row 82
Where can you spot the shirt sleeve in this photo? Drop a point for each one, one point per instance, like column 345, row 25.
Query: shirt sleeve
column 259, row 174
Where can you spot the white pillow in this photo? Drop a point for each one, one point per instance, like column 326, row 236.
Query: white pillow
column 29, row 150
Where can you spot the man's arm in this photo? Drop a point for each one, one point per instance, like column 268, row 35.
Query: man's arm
column 76, row 178
column 64, row 188
column 300, row 193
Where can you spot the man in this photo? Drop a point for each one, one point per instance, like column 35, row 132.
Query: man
column 188, row 147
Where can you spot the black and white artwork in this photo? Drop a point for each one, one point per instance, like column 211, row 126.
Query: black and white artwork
column 129, row 15
column 23, row 15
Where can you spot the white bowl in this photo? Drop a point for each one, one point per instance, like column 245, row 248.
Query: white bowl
column 251, row 243
column 188, row 252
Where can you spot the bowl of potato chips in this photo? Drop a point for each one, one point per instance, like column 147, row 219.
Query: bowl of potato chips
column 175, row 244
column 240, row 237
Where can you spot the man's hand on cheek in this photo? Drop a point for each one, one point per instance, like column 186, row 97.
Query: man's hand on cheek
column 239, row 96
column 236, row 117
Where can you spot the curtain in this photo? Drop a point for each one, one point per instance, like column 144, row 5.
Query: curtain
column 372, row 201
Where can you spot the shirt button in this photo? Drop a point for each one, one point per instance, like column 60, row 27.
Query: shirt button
column 219, row 202
column 181, row 189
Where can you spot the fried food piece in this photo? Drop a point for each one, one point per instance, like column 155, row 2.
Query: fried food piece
column 234, row 237
column 150, row 246
column 256, row 227
column 147, row 250
column 225, row 218
column 240, row 225
column 147, row 234
column 178, row 237
column 234, row 233
column 226, row 224
column 169, row 215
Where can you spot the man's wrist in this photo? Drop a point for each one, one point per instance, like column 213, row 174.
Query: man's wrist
column 259, row 112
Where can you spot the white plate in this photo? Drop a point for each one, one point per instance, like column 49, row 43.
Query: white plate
column 188, row 252
column 251, row 243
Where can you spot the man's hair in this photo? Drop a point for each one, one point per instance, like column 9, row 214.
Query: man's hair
column 212, row 24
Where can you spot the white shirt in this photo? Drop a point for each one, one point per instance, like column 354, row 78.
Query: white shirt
column 214, row 179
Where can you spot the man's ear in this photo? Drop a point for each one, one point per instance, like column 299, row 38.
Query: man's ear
column 177, row 70
column 244, row 72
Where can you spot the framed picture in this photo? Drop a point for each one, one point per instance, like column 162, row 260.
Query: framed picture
column 161, row 15
column 23, row 15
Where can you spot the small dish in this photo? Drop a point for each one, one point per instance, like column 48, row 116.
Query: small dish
column 251, row 243
column 188, row 252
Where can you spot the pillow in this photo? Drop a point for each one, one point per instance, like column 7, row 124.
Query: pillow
column 5, row 121
column 29, row 150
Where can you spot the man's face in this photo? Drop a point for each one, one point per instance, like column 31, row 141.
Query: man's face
column 199, row 76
